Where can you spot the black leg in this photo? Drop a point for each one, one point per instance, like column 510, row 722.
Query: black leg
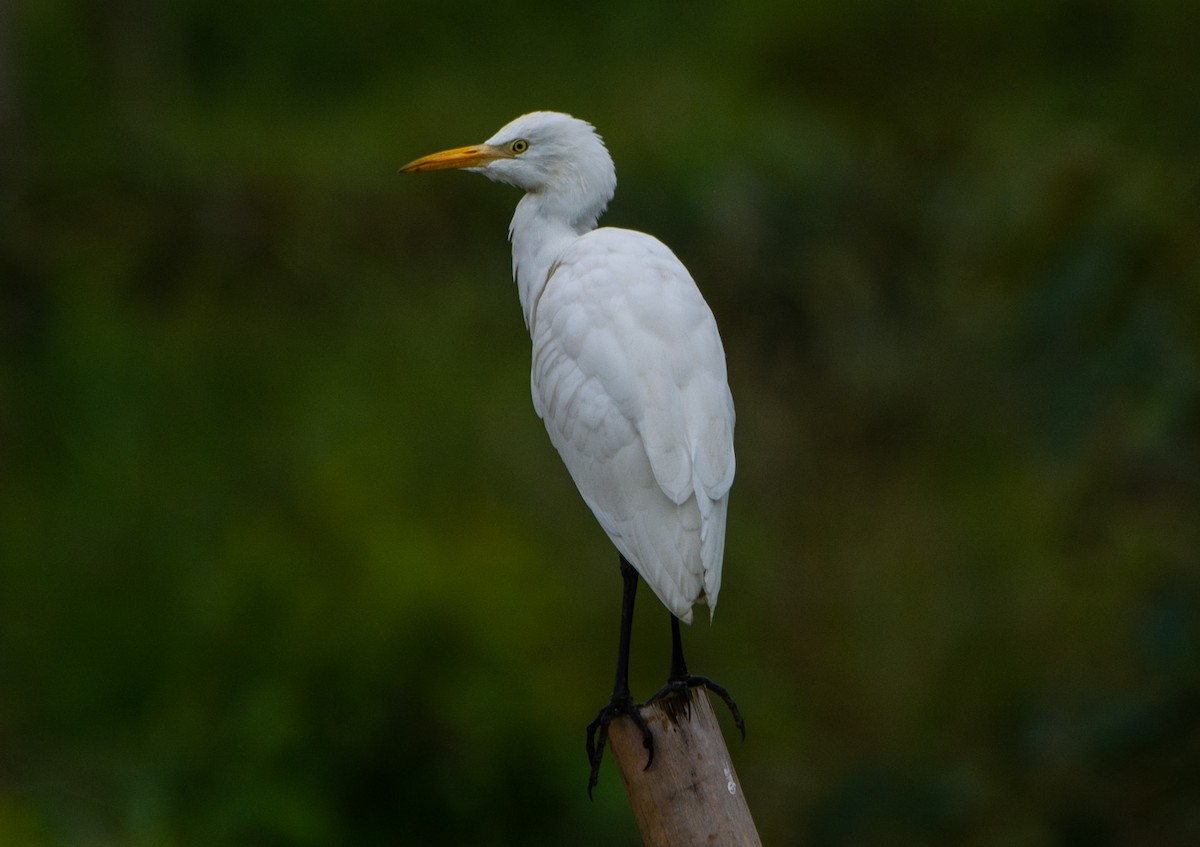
column 677, row 693
column 622, row 701
column 678, row 665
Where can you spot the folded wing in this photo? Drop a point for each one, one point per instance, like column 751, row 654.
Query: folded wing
column 629, row 377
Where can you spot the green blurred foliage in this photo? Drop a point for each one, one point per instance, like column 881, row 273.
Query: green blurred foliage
column 286, row 558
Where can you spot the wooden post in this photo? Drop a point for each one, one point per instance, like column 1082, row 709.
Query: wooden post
column 690, row 795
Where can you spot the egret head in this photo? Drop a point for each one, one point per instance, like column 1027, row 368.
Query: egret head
column 550, row 154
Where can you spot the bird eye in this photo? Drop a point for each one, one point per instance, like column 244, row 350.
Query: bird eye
column 518, row 146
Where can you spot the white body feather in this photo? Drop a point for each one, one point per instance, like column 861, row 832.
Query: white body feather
column 629, row 377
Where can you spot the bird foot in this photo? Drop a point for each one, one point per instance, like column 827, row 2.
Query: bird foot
column 597, row 733
column 676, row 697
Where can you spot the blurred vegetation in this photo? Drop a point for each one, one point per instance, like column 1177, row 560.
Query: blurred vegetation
column 285, row 555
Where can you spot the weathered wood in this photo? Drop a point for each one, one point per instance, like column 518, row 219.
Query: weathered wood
column 690, row 795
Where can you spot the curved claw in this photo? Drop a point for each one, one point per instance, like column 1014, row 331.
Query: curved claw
column 597, row 734
column 682, row 689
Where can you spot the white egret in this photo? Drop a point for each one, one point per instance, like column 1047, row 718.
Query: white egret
column 628, row 375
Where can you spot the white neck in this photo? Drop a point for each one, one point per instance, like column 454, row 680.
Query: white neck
column 539, row 234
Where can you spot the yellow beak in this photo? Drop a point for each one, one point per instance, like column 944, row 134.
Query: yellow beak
column 474, row 156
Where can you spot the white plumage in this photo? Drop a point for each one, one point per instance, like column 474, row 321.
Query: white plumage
column 628, row 368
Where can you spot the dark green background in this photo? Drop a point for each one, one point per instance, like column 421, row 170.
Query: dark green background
column 287, row 559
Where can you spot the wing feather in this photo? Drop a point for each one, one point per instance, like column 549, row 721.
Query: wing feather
column 629, row 376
